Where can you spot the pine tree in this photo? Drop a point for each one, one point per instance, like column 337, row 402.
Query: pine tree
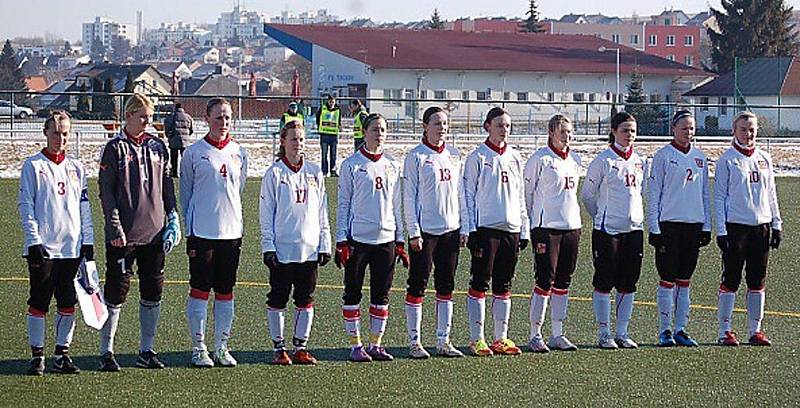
column 532, row 23
column 97, row 98
column 751, row 29
column 121, row 50
column 436, row 22
column 83, row 100
column 649, row 117
column 98, row 51
column 11, row 77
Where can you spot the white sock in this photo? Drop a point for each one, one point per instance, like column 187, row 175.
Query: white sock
column 303, row 318
column 352, row 323
column 559, row 302
column 378, row 316
column 755, row 309
column 36, row 328
column 149, row 313
column 65, row 326
column 444, row 318
column 601, row 303
column 109, row 329
column 275, row 320
column 725, row 310
column 538, row 308
column 682, row 304
column 476, row 313
column 665, row 296
column 624, row 312
column 501, row 313
column 413, row 319
column 223, row 320
column 197, row 316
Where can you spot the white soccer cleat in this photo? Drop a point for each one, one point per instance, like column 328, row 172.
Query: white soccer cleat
column 447, row 349
column 626, row 342
column 201, row 359
column 223, row 357
column 606, row 341
column 416, row 351
column 561, row 343
column 536, row 344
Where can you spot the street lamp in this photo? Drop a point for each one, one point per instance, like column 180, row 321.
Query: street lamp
column 604, row 49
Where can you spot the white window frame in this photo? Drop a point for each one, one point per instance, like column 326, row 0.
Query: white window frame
column 670, row 41
column 652, row 40
column 688, row 41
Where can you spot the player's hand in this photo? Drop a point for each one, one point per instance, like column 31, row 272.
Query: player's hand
column 87, row 252
column 342, row 254
column 415, row 244
column 462, row 241
column 655, row 240
column 473, row 245
column 775, row 239
column 172, row 232
column 523, row 243
column 400, row 253
column 323, row 259
column 271, row 259
column 723, row 243
column 36, row 254
column 705, row 238
column 118, row 242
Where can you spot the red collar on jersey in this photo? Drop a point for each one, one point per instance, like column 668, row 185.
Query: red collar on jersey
column 437, row 149
column 136, row 140
column 372, row 156
column 498, row 149
column 292, row 167
column 680, row 148
column 219, row 145
column 743, row 150
column 55, row 158
column 620, row 153
column 560, row 153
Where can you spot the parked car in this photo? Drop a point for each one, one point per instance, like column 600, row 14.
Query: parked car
column 22, row 112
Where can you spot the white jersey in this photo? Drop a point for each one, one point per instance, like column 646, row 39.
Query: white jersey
column 54, row 206
column 612, row 191
column 551, row 190
column 370, row 200
column 493, row 193
column 677, row 189
column 430, row 184
column 212, row 181
column 744, row 190
column 293, row 209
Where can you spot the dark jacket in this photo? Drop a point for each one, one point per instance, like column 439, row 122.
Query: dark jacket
column 179, row 128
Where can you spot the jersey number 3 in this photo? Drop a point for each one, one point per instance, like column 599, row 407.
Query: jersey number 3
column 62, row 188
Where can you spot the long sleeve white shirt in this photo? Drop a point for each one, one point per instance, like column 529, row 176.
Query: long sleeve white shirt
column 430, row 184
column 551, row 190
column 744, row 190
column 370, row 200
column 677, row 189
column 293, row 209
column 211, row 184
column 612, row 191
column 492, row 191
column 54, row 206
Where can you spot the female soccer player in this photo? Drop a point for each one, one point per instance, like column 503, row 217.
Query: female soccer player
column 369, row 232
column 431, row 174
column 551, row 183
column 495, row 220
column 295, row 240
column 748, row 225
column 141, row 227
column 612, row 194
column 213, row 175
column 57, row 224
column 679, row 221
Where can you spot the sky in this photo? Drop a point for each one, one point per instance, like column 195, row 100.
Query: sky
column 64, row 17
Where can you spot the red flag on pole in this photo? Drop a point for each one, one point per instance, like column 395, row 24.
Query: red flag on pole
column 296, row 84
column 251, row 87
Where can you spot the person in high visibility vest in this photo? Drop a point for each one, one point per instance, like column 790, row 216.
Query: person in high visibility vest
column 293, row 113
column 329, row 121
column 359, row 113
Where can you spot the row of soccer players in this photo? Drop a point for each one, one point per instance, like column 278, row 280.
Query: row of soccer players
column 486, row 210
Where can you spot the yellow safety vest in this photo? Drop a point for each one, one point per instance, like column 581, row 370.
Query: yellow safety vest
column 329, row 121
column 287, row 117
column 358, row 131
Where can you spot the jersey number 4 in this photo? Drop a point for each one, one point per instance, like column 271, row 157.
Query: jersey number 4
column 223, row 171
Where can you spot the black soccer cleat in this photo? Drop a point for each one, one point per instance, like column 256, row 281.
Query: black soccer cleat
column 63, row 364
column 108, row 363
column 36, row 366
column 149, row 360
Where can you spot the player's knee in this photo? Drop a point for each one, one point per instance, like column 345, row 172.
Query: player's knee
column 351, row 298
column 37, row 307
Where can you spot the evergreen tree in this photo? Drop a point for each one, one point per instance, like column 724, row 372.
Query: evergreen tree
column 98, row 51
column 83, row 100
column 649, row 117
column 436, row 22
column 97, row 98
column 751, row 29
column 121, row 50
column 67, row 50
column 532, row 23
